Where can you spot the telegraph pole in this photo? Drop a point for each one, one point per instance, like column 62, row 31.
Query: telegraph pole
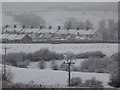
column 69, row 63
column 4, row 62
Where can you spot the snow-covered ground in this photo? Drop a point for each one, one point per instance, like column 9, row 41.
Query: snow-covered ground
column 51, row 77
column 106, row 48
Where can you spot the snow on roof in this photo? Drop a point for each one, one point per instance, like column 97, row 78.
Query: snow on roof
column 20, row 36
column 79, row 37
column 29, row 30
column 86, row 31
column 11, row 36
column 47, row 31
column 62, row 31
column 4, row 36
column 72, row 31
column 17, row 29
column 12, row 29
column 8, row 29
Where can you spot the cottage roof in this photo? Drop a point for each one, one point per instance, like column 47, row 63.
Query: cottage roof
column 86, row 32
column 20, row 36
column 48, row 31
column 11, row 36
column 4, row 36
column 62, row 31
column 12, row 29
column 29, row 30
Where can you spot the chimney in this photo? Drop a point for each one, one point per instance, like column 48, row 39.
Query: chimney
column 23, row 27
column 32, row 27
column 78, row 33
column 6, row 26
column 87, row 28
column 15, row 26
column 59, row 27
column 41, row 27
column 68, row 28
column 50, row 27
column 77, row 28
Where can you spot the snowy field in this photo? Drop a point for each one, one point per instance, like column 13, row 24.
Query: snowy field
column 51, row 77
column 34, row 65
column 57, row 78
column 106, row 48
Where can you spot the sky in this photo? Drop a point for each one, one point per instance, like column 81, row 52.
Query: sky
column 47, row 6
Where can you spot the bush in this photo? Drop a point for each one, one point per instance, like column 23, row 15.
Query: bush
column 114, row 69
column 19, row 85
column 45, row 54
column 54, row 65
column 91, row 54
column 9, row 76
column 41, row 64
column 23, row 64
column 76, row 81
column 75, row 68
column 63, row 67
column 114, row 80
column 14, row 58
column 93, row 83
column 95, row 65
column 22, row 59
column 116, row 56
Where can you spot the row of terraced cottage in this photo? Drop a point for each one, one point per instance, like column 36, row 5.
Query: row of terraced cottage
column 20, row 34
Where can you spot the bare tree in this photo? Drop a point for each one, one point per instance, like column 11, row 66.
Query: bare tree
column 41, row 64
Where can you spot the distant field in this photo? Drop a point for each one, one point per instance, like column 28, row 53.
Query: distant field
column 106, row 48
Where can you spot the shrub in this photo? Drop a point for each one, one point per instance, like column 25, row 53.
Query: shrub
column 54, row 65
column 75, row 68
column 19, row 85
column 45, row 54
column 23, row 64
column 114, row 80
column 41, row 64
column 9, row 76
column 14, row 58
column 63, row 67
column 91, row 54
column 93, row 83
column 115, row 75
column 95, row 65
column 116, row 56
column 76, row 81
column 22, row 59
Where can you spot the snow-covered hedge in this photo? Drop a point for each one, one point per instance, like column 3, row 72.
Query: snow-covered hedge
column 92, row 83
column 91, row 54
column 76, row 81
column 114, row 71
column 96, row 65
column 22, row 59
column 45, row 54
column 41, row 64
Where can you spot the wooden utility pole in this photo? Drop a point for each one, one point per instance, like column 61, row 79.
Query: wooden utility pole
column 4, row 63
column 69, row 63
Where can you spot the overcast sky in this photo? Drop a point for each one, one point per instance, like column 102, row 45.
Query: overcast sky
column 47, row 6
